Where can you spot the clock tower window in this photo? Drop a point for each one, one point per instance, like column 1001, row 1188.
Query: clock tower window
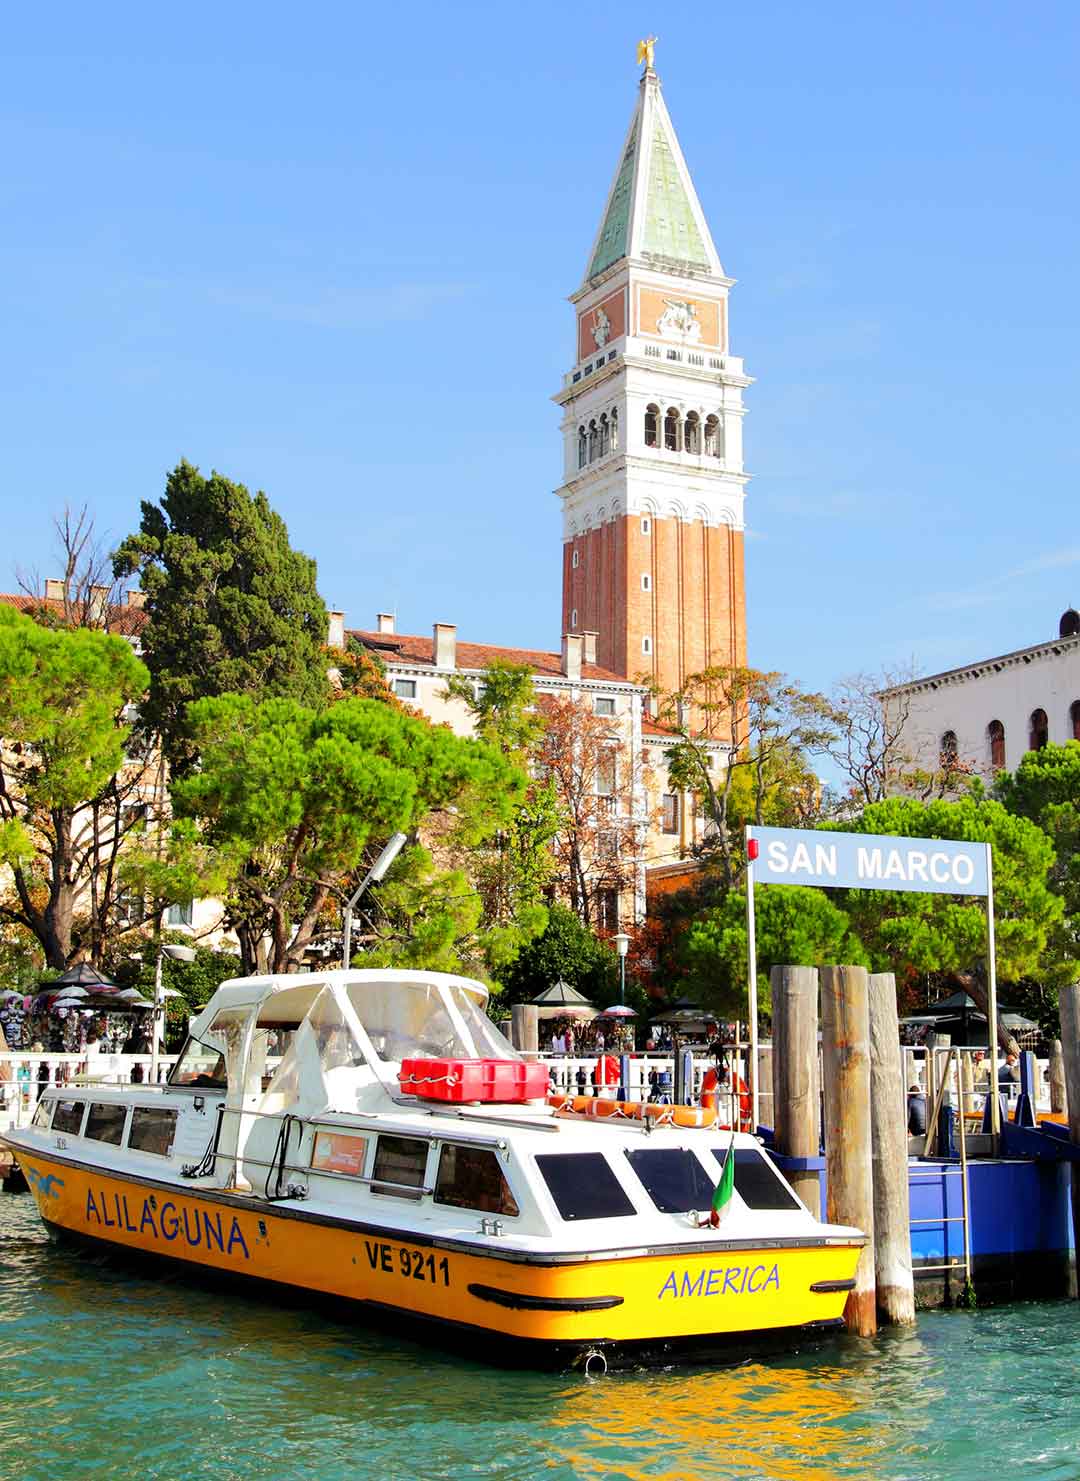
column 652, row 419
column 671, row 430
column 713, row 444
column 692, row 433
column 582, row 448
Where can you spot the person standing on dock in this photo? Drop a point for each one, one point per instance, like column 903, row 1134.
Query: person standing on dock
column 1009, row 1072
column 916, row 1111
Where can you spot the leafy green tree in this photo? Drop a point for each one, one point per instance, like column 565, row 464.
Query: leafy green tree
column 512, row 870
column 132, row 962
column 231, row 607
column 64, row 782
column 566, row 951
column 770, row 725
column 434, row 919
column 793, row 925
column 287, row 798
column 906, row 932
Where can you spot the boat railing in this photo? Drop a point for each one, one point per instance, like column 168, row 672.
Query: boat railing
column 650, row 1076
column 281, row 1166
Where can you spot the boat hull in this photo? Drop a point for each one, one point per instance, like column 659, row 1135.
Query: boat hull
column 712, row 1293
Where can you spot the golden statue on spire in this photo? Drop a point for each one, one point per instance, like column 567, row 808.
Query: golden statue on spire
column 645, row 51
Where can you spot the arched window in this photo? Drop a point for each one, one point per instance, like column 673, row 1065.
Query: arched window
column 1074, row 719
column 671, row 430
column 582, row 448
column 1069, row 626
column 603, row 435
column 594, row 438
column 949, row 748
column 712, row 437
column 1038, row 730
column 652, row 417
column 692, row 433
column 995, row 733
column 615, row 430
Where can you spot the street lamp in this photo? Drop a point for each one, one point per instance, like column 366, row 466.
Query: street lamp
column 175, row 954
column 622, row 946
column 374, row 874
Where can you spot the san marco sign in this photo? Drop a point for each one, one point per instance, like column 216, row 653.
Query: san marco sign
column 867, row 861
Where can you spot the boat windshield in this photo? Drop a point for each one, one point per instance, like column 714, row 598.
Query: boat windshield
column 423, row 1020
column 201, row 1066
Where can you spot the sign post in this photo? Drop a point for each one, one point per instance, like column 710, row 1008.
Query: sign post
column 751, row 988
column 871, row 861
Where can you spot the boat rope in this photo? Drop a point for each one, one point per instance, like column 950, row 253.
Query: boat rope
column 204, row 1168
column 276, row 1172
column 449, row 1079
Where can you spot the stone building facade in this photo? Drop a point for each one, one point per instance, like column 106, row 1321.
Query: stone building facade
column 989, row 713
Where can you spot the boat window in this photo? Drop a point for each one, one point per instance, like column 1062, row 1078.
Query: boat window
column 334, row 1151
column 757, row 1181
column 152, row 1130
column 200, row 1065
column 68, row 1116
column 470, row 1177
column 105, row 1123
column 674, row 1179
column 407, row 1020
column 43, row 1113
column 584, row 1186
column 400, row 1162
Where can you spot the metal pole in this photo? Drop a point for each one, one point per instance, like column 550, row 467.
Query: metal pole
column 158, row 1001
column 347, row 933
column 991, row 999
column 622, row 980
column 751, row 988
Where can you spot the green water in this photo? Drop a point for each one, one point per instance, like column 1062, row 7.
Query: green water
column 105, row 1374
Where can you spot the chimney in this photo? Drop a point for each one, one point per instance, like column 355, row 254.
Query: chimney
column 445, row 645
column 335, row 630
column 135, row 598
column 54, row 591
column 588, row 651
column 571, row 655
column 385, row 622
column 97, row 607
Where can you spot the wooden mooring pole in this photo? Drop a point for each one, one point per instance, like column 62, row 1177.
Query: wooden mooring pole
column 797, row 1122
column 1069, row 1012
column 1057, row 1079
column 845, row 1046
column 892, row 1206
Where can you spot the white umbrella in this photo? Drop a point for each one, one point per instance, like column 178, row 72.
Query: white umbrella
column 71, row 995
column 618, row 1011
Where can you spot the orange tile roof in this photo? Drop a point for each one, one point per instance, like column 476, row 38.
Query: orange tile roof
column 408, row 648
column 123, row 620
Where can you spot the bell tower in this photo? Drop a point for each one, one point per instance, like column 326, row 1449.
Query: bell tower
column 653, row 484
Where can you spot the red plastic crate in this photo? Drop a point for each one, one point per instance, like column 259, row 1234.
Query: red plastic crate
column 505, row 1080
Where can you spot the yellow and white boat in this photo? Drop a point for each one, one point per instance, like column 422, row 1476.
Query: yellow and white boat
column 577, row 1238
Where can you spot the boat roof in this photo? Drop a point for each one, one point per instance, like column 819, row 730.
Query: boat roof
column 250, row 992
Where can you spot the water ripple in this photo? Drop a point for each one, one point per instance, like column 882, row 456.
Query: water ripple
column 110, row 1373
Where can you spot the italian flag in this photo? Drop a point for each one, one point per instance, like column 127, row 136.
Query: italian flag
column 725, row 1187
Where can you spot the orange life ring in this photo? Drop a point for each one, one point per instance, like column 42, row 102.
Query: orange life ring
column 709, row 1084
column 632, row 1110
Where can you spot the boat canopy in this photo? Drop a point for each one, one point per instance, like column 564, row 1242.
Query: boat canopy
column 286, row 999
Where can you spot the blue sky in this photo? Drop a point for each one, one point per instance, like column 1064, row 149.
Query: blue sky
column 327, row 251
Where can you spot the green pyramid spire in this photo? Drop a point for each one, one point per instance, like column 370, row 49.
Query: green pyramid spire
column 652, row 209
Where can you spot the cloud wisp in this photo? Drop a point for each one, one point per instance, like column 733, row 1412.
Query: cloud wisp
column 984, row 593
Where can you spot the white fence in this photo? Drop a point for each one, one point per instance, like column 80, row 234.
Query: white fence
column 24, row 1076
